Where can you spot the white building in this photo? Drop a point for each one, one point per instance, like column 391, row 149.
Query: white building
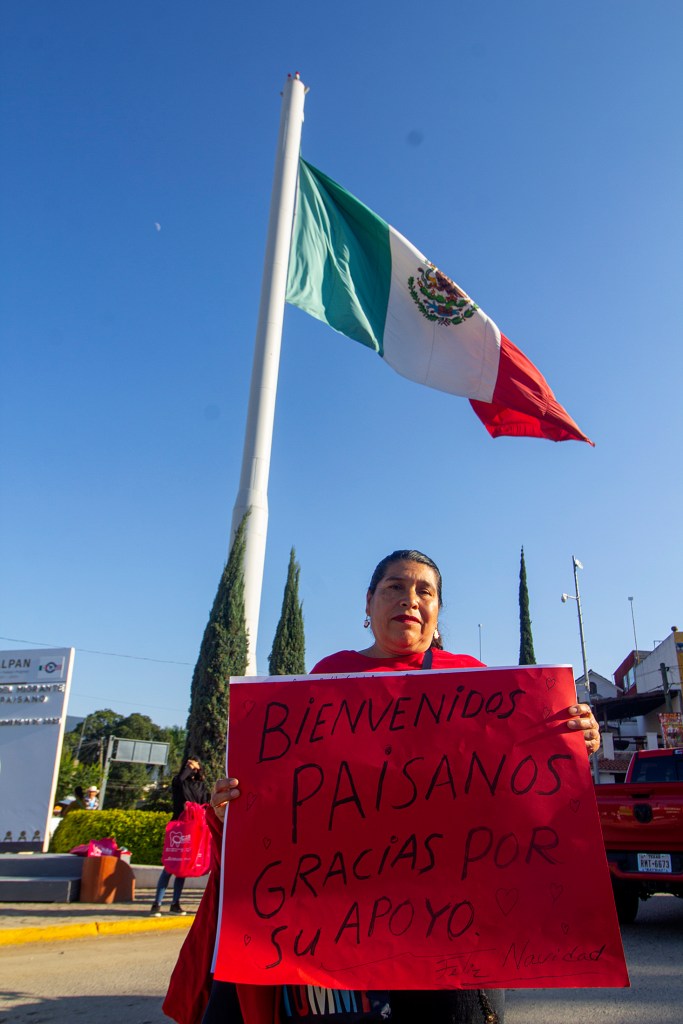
column 630, row 721
column 601, row 688
column 648, row 673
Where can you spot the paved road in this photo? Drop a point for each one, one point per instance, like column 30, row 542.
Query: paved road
column 122, row 980
column 119, row 979
column 654, row 954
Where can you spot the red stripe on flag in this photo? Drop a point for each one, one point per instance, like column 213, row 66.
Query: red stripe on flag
column 523, row 404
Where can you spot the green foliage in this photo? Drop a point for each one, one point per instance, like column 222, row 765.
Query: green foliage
column 142, row 832
column 288, row 656
column 175, row 736
column 87, row 742
column 158, row 798
column 526, row 640
column 223, row 653
column 84, row 752
column 127, row 784
column 72, row 773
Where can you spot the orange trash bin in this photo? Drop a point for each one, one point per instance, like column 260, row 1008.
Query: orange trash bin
column 107, row 880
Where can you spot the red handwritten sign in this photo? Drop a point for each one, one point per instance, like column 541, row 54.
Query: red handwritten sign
column 424, row 830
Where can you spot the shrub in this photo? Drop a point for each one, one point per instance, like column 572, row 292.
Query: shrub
column 142, row 832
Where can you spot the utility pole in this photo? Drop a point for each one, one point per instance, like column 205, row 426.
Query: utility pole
column 105, row 777
column 80, row 741
column 565, row 597
column 665, row 683
column 635, row 652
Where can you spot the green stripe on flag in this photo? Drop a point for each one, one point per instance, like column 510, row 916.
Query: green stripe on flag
column 340, row 260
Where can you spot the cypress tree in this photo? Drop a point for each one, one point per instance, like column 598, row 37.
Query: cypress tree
column 288, row 655
column 526, row 640
column 223, row 653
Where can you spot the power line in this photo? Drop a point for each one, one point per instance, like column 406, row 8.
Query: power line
column 130, row 703
column 86, row 650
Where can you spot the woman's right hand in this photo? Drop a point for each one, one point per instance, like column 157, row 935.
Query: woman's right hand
column 222, row 793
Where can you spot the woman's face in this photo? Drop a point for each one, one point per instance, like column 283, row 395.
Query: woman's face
column 404, row 609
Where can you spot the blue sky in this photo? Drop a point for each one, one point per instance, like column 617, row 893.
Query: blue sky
column 532, row 150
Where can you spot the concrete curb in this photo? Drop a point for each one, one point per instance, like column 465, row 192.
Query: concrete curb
column 59, row 933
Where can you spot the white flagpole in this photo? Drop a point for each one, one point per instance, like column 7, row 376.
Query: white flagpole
column 253, row 490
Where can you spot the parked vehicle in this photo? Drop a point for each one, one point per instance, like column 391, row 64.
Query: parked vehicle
column 642, row 827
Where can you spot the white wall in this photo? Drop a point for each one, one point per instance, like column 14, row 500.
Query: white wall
column 648, row 673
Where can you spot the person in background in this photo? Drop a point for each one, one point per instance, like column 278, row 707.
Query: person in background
column 92, row 802
column 188, row 785
column 402, row 608
column 77, row 804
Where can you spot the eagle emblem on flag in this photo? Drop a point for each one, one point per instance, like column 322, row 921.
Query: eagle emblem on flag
column 438, row 298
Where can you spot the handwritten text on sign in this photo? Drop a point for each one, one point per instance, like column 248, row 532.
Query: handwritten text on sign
column 425, row 830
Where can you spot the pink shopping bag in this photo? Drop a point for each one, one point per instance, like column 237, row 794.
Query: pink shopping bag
column 187, row 843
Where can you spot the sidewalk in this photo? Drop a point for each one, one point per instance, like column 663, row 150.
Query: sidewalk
column 52, row 922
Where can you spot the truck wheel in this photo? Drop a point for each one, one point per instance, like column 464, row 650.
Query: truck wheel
column 626, row 900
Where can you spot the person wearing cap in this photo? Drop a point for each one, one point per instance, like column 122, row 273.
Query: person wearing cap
column 92, row 802
column 187, row 785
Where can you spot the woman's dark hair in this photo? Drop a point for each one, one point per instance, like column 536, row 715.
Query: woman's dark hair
column 199, row 772
column 405, row 555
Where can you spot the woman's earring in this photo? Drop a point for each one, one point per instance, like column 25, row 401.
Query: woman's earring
column 437, row 635
column 366, row 622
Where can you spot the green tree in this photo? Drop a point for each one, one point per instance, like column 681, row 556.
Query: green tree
column 175, row 736
column 288, row 656
column 223, row 653
column 159, row 797
column 99, row 723
column 87, row 742
column 526, row 640
column 84, row 752
column 74, row 773
column 128, row 782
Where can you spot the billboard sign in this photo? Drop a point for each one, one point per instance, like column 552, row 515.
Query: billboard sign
column 34, row 691
column 140, row 751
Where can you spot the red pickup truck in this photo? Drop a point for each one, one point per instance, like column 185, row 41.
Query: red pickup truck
column 642, row 826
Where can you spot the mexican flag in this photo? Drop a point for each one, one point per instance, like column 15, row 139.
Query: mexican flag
column 352, row 270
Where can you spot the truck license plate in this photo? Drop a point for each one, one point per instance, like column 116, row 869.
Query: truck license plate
column 657, row 862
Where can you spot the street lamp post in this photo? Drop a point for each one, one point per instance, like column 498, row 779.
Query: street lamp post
column 80, row 739
column 566, row 597
column 635, row 652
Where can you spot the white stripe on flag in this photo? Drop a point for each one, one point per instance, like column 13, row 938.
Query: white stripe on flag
column 460, row 359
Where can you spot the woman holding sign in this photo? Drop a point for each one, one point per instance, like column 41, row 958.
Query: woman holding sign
column 402, row 609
